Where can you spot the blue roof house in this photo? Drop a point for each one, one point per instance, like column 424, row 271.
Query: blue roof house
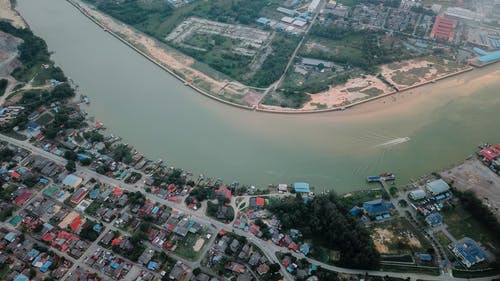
column 434, row 219
column 301, row 187
column 469, row 252
column 21, row 277
column 377, row 207
column 424, row 257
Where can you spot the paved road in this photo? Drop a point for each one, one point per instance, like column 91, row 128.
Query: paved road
column 276, row 84
column 268, row 248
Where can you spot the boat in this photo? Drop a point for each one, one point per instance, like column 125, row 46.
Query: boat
column 381, row 177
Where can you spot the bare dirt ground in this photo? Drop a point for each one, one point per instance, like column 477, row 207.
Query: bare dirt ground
column 173, row 60
column 474, row 175
column 8, row 61
column 381, row 237
column 416, row 71
column 11, row 15
column 199, row 243
column 353, row 90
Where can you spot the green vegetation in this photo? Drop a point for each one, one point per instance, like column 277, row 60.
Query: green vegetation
column 3, row 86
column 4, row 270
column 134, row 12
column 287, row 98
column 157, row 18
column 356, row 198
column 122, row 153
column 363, row 49
column 88, row 232
column 474, row 274
column 185, row 247
column 408, row 268
column 324, row 221
column 213, row 209
column 6, row 213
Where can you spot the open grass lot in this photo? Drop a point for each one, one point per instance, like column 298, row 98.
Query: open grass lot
column 45, row 119
column 409, row 77
column 461, row 224
column 185, row 246
column 355, row 198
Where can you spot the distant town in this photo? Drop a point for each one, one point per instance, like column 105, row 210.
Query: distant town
column 306, row 56
column 76, row 203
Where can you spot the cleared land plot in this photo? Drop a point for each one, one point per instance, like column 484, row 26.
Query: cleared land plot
column 353, row 90
column 412, row 72
column 396, row 237
column 474, row 175
column 227, row 47
column 250, row 38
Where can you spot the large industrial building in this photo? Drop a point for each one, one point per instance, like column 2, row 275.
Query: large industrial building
column 444, row 29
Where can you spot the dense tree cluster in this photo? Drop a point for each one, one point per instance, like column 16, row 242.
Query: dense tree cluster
column 122, row 153
column 371, row 53
column 134, row 11
column 273, row 67
column 325, row 222
column 241, row 11
column 3, row 86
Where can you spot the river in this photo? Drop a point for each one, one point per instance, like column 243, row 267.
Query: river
column 164, row 119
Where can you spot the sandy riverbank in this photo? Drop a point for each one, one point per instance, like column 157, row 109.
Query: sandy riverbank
column 11, row 15
column 469, row 84
column 225, row 90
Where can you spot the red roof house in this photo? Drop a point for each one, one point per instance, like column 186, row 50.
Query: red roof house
column 491, row 152
column 260, row 202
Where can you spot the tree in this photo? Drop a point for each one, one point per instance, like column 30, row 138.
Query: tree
column 70, row 155
column 71, row 166
column 6, row 154
column 196, row 271
column 86, row 161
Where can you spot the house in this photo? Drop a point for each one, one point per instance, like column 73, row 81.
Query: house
column 254, row 259
column 72, row 181
column 177, row 272
column 79, row 195
column 235, row 267
column 417, row 194
column 234, row 245
column 301, row 187
column 223, row 191
column 437, row 187
column 469, row 252
column 434, row 219
column 262, row 269
column 377, row 207
column 425, row 257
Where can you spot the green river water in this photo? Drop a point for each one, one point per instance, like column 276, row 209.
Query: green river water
column 164, row 119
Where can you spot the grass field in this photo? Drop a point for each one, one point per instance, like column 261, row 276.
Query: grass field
column 461, row 224
column 185, row 247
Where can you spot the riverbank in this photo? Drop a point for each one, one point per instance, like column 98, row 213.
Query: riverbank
column 180, row 67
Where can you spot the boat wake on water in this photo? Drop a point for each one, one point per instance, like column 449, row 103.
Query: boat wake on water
column 393, row 142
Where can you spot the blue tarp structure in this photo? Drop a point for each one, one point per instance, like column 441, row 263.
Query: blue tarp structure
column 301, row 187
column 152, row 265
column 425, row 257
column 45, row 266
column 21, row 277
